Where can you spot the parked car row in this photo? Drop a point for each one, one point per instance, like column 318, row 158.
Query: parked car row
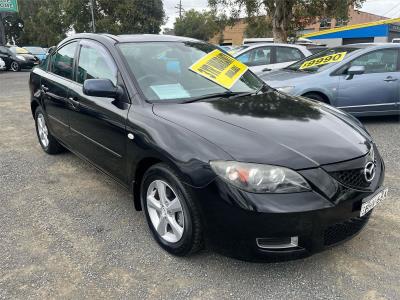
column 16, row 58
column 362, row 79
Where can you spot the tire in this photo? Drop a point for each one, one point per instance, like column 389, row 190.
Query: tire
column 187, row 216
column 48, row 143
column 316, row 96
column 15, row 67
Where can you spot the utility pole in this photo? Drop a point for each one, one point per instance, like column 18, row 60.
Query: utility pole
column 92, row 12
column 180, row 9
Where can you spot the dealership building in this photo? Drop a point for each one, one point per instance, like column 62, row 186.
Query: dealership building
column 382, row 31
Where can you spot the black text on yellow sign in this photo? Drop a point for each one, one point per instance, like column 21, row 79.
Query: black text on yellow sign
column 323, row 60
column 220, row 68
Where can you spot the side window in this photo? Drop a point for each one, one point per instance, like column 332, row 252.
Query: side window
column 256, row 57
column 96, row 63
column 62, row 62
column 286, row 54
column 380, row 61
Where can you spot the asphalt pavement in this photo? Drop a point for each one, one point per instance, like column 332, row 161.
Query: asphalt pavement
column 68, row 231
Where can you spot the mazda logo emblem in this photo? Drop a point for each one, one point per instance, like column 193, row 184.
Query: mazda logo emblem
column 369, row 171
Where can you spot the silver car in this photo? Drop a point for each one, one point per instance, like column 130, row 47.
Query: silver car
column 2, row 64
column 265, row 57
column 362, row 79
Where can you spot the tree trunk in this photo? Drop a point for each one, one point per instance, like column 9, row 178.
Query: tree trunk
column 281, row 12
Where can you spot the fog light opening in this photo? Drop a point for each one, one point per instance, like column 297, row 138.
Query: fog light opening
column 278, row 243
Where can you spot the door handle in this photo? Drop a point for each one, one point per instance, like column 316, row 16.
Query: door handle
column 44, row 88
column 75, row 103
column 390, row 78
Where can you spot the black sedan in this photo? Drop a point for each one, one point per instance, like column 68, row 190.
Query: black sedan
column 247, row 170
column 16, row 58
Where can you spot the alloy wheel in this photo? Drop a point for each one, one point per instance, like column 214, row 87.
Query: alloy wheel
column 165, row 211
column 42, row 130
column 14, row 66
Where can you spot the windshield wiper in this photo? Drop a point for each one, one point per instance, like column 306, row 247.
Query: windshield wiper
column 227, row 94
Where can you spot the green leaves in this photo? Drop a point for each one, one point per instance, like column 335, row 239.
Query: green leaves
column 47, row 22
column 199, row 25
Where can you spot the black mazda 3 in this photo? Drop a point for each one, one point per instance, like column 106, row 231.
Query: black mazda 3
column 211, row 154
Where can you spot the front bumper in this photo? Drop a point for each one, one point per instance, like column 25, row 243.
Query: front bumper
column 235, row 219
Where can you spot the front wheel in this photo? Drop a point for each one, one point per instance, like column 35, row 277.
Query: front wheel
column 49, row 144
column 171, row 211
column 15, row 67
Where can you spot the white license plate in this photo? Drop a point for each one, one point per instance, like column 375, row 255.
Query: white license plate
column 374, row 201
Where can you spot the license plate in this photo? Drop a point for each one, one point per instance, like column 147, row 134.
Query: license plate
column 374, row 201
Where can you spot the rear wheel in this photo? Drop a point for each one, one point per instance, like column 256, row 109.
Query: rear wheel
column 15, row 67
column 171, row 211
column 316, row 96
column 49, row 144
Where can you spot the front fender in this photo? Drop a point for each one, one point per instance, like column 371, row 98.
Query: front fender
column 160, row 139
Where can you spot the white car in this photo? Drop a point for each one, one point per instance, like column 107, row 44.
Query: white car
column 264, row 57
column 2, row 64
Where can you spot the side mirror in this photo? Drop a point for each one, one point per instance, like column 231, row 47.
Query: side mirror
column 355, row 70
column 101, row 88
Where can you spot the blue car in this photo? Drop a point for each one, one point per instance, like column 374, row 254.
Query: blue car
column 39, row 52
column 361, row 79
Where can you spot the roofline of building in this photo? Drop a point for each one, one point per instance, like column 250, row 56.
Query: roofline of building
column 350, row 27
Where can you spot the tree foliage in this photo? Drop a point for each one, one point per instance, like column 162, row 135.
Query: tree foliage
column 46, row 22
column 287, row 15
column 116, row 16
column 42, row 24
column 199, row 25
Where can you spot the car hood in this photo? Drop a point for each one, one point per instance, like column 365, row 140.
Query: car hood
column 277, row 78
column 273, row 128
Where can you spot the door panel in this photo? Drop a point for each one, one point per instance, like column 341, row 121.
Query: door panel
column 55, row 100
column 376, row 90
column 98, row 124
column 55, row 90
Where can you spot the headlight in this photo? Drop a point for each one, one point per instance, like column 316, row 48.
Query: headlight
column 285, row 89
column 20, row 57
column 257, row 178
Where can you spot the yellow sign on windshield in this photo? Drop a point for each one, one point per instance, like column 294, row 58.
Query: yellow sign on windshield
column 333, row 58
column 220, row 68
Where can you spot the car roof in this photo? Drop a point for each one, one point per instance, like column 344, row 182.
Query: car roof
column 369, row 45
column 127, row 38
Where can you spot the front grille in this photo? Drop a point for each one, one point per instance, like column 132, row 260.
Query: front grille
column 341, row 231
column 352, row 178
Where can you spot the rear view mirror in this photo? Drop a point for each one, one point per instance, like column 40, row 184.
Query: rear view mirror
column 100, row 88
column 355, row 70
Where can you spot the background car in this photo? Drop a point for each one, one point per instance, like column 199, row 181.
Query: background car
column 364, row 83
column 39, row 52
column 17, row 58
column 2, row 64
column 263, row 57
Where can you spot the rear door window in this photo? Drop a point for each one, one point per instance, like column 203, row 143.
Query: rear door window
column 62, row 62
column 286, row 54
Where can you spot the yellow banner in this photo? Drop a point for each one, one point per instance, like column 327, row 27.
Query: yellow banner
column 220, row 68
column 333, row 58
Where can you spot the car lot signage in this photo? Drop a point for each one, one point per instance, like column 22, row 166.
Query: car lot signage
column 333, row 58
column 219, row 67
column 9, row 5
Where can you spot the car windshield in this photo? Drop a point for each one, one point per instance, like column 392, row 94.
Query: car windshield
column 162, row 71
column 322, row 60
column 35, row 50
column 18, row 50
